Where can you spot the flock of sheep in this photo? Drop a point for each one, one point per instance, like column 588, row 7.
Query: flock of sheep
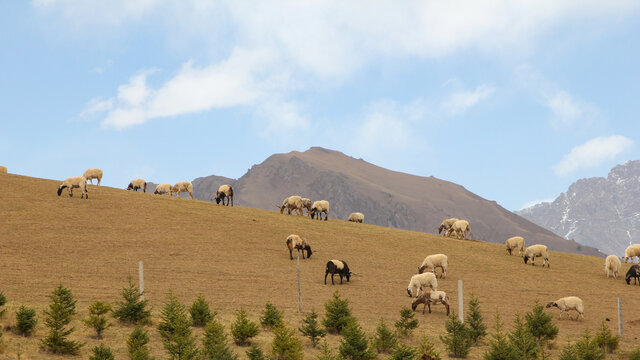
column 297, row 203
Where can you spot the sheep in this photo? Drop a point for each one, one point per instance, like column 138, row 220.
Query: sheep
column 306, row 203
column 182, row 186
column 433, row 297
column 356, row 217
column 431, row 262
column 631, row 251
column 568, row 303
column 91, row 174
column 446, row 225
column 75, row 182
column 535, row 251
column 296, row 242
column 461, row 229
column 419, row 281
column 163, row 189
column 137, row 184
column 339, row 267
column 224, row 191
column 292, row 203
column 612, row 265
column 3, row 170
column 321, row 206
column 516, row 242
column 634, row 272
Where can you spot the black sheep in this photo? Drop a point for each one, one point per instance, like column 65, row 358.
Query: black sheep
column 339, row 267
column 634, row 272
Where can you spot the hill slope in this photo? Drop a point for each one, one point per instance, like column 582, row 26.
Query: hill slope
column 236, row 257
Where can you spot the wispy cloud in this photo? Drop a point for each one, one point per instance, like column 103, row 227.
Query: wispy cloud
column 593, row 153
column 458, row 102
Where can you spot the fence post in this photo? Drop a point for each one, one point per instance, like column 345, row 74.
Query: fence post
column 460, row 302
column 299, row 291
column 141, row 276
column 620, row 316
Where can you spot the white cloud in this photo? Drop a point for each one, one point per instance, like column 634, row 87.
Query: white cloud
column 458, row 102
column 95, row 106
column 593, row 153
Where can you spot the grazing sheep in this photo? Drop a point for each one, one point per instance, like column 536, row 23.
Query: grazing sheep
column 432, row 297
column 568, row 303
column 137, row 184
column 163, row 189
column 534, row 251
column 224, row 191
column 300, row 244
column 431, row 262
column 631, row 251
column 422, row 280
column 356, row 217
column 446, row 225
column 182, row 186
column 292, row 203
column 634, row 272
column 339, row 267
column 3, row 169
column 91, row 174
column 516, row 242
column 321, row 206
column 461, row 229
column 612, row 265
column 75, row 182
column 306, row 203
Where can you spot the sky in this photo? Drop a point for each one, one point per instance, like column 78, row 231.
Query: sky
column 512, row 99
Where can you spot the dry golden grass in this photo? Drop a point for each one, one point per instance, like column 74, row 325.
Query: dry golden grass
column 237, row 257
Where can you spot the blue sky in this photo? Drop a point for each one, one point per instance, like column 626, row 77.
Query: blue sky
column 514, row 100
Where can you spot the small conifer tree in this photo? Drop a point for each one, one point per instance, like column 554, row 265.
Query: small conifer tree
column 255, row 353
column 61, row 309
column 133, row 309
column 499, row 346
column 214, row 344
column 101, row 352
column 200, row 312
column 404, row 352
column 457, row 338
column 587, row 348
column 568, row 352
column 175, row 330
column 3, row 301
column 354, row 344
column 605, row 340
column 96, row 319
column 428, row 349
column 540, row 325
column 523, row 343
column 25, row 320
column 271, row 317
column 311, row 328
column 137, row 344
column 474, row 321
column 407, row 322
column 285, row 344
column 385, row 340
column 243, row 329
column 326, row 353
column 337, row 314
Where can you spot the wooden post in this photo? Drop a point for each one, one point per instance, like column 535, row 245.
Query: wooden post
column 141, row 275
column 299, row 291
column 460, row 302
column 620, row 316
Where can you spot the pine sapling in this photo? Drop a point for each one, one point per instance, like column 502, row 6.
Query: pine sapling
column 59, row 315
column 255, row 353
column 200, row 312
column 499, row 346
column 137, row 344
column 337, row 314
column 214, row 344
column 133, row 309
column 540, row 325
column 271, row 317
column 605, row 340
column 97, row 319
column 404, row 352
column 243, row 329
column 311, row 328
column 457, row 339
column 354, row 344
column 407, row 322
column 474, row 321
column 175, row 330
column 101, row 352
column 285, row 345
column 385, row 340
column 524, row 344
column 428, row 350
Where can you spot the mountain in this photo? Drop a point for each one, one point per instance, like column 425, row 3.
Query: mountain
column 387, row 198
column 600, row 212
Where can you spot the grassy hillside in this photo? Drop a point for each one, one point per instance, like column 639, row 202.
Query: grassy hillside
column 237, row 257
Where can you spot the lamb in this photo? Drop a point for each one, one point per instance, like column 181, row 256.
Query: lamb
column 431, row 262
column 535, row 251
column 433, row 297
column 356, row 217
column 75, row 182
column 631, row 251
column 446, row 225
column 321, row 206
column 634, row 272
column 568, row 303
column 224, row 191
column 91, row 174
column 419, row 281
column 300, row 244
column 306, row 203
column 182, row 186
column 3, row 169
column 137, row 184
column 339, row 267
column 516, row 242
column 461, row 229
column 163, row 189
column 292, row 203
column 612, row 265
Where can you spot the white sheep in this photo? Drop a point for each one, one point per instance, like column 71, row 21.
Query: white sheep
column 182, row 186
column 568, row 303
column 320, row 206
column 91, row 174
column 137, row 184
column 163, row 189
column 420, row 281
column 75, row 182
column 612, row 265
column 534, row 251
column 631, row 251
column 446, row 225
column 431, row 262
column 461, row 229
column 432, row 297
column 3, row 169
column 516, row 242
column 306, row 203
column 224, row 191
column 299, row 244
column 292, row 203
column 356, row 217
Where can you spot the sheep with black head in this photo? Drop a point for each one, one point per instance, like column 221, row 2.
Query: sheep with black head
column 339, row 267
column 299, row 244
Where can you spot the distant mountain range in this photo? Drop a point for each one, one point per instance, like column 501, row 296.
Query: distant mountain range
column 387, row 198
column 600, row 212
